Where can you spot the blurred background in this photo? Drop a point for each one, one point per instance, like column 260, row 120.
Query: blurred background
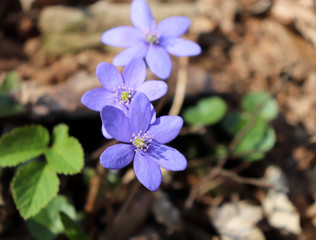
column 51, row 49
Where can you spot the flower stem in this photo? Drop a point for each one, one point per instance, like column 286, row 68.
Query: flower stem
column 114, row 226
column 180, row 87
column 96, row 179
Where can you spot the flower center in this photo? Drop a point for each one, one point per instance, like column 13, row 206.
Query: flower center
column 152, row 38
column 123, row 95
column 141, row 141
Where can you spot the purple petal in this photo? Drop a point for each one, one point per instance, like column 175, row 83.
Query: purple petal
column 153, row 114
column 137, row 51
column 173, row 26
column 117, row 156
column 108, row 76
column 147, row 171
column 116, row 123
column 122, row 107
column 153, row 89
column 167, row 157
column 139, row 113
column 97, row 98
column 166, row 128
column 123, row 36
column 105, row 133
column 134, row 73
column 181, row 47
column 141, row 16
column 124, row 110
column 159, row 61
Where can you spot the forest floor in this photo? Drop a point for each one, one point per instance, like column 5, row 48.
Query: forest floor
column 247, row 45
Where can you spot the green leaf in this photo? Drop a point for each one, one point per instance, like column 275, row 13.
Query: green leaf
column 22, row 144
column 221, row 151
column 33, row 186
column 234, row 122
column 8, row 107
column 47, row 223
column 260, row 137
column 8, row 89
column 10, row 83
column 87, row 175
column 252, row 138
column 268, row 105
column 72, row 229
column 255, row 157
column 208, row 111
column 66, row 154
column 268, row 141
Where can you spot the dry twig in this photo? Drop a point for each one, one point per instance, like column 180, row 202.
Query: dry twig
column 218, row 169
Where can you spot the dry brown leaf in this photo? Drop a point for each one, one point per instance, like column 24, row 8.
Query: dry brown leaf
column 237, row 221
column 303, row 17
column 280, row 211
column 165, row 212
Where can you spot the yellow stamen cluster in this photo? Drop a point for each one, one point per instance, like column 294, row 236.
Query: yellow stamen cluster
column 152, row 38
column 141, row 141
column 123, row 95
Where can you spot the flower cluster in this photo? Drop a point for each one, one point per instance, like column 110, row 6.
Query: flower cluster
column 124, row 99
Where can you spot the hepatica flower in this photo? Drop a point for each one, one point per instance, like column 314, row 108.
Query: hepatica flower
column 118, row 90
column 151, row 41
column 142, row 141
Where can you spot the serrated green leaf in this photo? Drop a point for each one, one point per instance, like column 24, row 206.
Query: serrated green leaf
column 33, row 187
column 268, row 105
column 10, row 83
column 66, row 154
column 47, row 223
column 208, row 111
column 22, row 144
column 72, row 229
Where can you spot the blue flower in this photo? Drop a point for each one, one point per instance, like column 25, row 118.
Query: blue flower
column 150, row 41
column 118, row 90
column 142, row 141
